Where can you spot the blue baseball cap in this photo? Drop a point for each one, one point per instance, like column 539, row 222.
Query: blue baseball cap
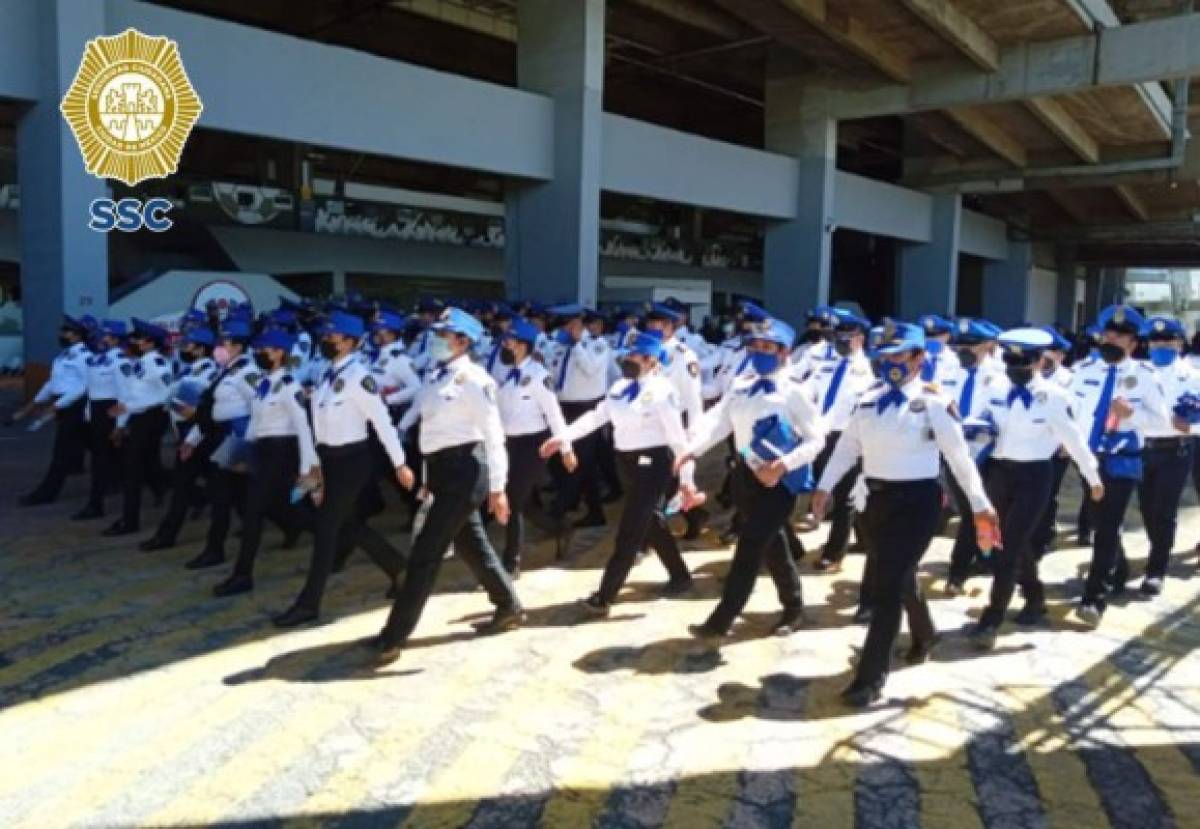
column 274, row 338
column 822, row 314
column 1123, row 319
column 842, row 318
column 235, row 329
column 662, row 311
column 934, row 324
column 430, row 305
column 968, row 331
column 523, row 330
column 1163, row 328
column 1060, row 343
column 282, row 316
column 647, row 345
column 114, row 328
column 459, row 321
column 1024, row 344
column 344, row 323
column 754, row 313
column 773, row 331
column 74, row 324
column 200, row 336
column 898, row 337
column 149, row 330
column 568, row 310
column 388, row 321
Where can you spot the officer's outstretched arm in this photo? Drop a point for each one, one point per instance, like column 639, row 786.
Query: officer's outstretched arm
column 844, row 456
column 1067, row 431
column 365, row 394
column 713, row 427
column 806, row 420
column 589, row 422
column 953, row 446
column 293, row 399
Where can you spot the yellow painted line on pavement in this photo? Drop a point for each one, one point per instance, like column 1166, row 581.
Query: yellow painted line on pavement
column 939, row 760
column 1063, row 785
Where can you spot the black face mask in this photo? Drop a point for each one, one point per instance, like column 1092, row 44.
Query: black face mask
column 507, row 356
column 1111, row 353
column 1019, row 375
column 967, row 358
column 329, row 350
column 65, row 341
column 813, row 336
column 263, row 361
column 631, row 369
column 188, row 357
column 842, row 346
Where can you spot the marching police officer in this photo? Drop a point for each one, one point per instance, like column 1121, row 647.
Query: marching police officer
column 531, row 415
column 1117, row 400
column 1054, row 370
column 65, row 392
column 344, row 403
column 898, row 430
column 283, row 453
column 462, row 440
column 1033, row 418
column 103, row 391
column 765, row 503
column 648, row 432
column 940, row 363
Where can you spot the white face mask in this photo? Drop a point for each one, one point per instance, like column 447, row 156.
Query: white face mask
column 440, row 350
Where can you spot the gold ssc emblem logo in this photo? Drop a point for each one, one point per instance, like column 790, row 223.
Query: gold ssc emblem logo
column 131, row 107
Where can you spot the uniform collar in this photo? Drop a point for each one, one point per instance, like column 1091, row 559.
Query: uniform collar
column 342, row 361
column 521, row 365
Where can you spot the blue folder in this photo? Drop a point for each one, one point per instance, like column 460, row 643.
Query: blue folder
column 773, row 438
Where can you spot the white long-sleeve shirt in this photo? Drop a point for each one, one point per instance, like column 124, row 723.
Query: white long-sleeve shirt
column 683, row 370
column 104, row 375
column 68, row 378
column 652, row 418
column 1176, row 380
column 234, row 390
column 394, row 372
column 835, row 405
column 278, row 411
column 528, row 405
column 586, row 375
column 1134, row 381
column 145, row 383
column 345, row 401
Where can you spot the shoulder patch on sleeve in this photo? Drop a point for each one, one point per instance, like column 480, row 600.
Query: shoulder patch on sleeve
column 548, row 383
column 288, row 379
column 126, row 369
column 159, row 361
column 368, row 383
column 300, row 397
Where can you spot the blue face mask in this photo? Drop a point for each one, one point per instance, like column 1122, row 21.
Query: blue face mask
column 564, row 337
column 893, row 372
column 1163, row 357
column 764, row 364
column 934, row 347
column 440, row 350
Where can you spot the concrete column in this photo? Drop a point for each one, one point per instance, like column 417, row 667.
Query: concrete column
column 339, row 283
column 64, row 265
column 1064, row 295
column 928, row 273
column 553, row 227
column 798, row 254
column 1091, row 295
column 1006, row 286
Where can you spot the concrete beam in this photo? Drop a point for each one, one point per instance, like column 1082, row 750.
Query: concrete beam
column 19, row 53
column 695, row 15
column 991, row 135
column 1069, row 131
column 1133, row 202
column 850, row 33
column 944, row 18
column 1152, row 50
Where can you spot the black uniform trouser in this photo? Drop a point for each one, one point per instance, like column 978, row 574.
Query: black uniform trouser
column 1086, row 520
column 585, row 481
column 1107, row 553
column 1043, row 537
column 525, row 470
column 606, row 459
column 966, row 548
column 900, row 520
column 1020, row 493
column 183, row 479
column 345, row 471
column 763, row 539
column 141, row 460
column 1165, row 469
column 646, row 477
column 105, row 466
column 228, row 495
column 841, row 511
column 458, row 482
column 70, row 438
column 1196, row 465
column 268, row 495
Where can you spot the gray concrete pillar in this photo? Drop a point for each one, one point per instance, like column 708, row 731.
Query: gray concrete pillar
column 928, row 272
column 64, row 264
column 1091, row 295
column 553, row 227
column 1064, row 295
column 798, row 254
column 1006, row 286
column 339, row 283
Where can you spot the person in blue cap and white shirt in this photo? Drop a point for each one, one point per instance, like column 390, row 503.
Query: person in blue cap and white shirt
column 141, row 422
column 345, row 406
column 1167, row 456
column 462, row 440
column 1056, row 372
column 1117, row 400
column 732, row 358
column 900, row 430
column 65, row 394
column 939, row 360
column 103, row 392
column 834, row 388
column 815, row 344
column 393, row 368
column 531, row 415
column 766, row 505
column 283, row 453
column 1033, row 418
column 647, row 418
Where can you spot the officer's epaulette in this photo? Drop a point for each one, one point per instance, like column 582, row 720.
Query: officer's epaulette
column 932, row 388
column 288, row 379
column 396, row 352
column 240, row 362
column 159, row 361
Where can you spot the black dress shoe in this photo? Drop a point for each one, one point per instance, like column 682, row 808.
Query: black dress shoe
column 790, row 620
column 294, row 617
column 729, row 536
column 154, row 543
column 1031, row 614
column 707, row 633
column 34, row 500
column 233, row 586
column 563, row 541
column 206, row 559
column 119, row 528
column 591, row 521
column 862, row 694
column 386, row 654
column 675, row 588
column 920, row 651
column 504, row 620
column 862, row 616
column 88, row 513
column 595, row 607
column 983, row 636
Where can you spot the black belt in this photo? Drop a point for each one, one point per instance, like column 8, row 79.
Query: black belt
column 879, row 484
column 1168, row 443
column 343, row 450
column 453, row 451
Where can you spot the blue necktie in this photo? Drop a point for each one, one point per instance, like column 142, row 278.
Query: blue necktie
column 443, row 370
column 834, row 385
column 492, row 359
column 767, row 386
column 631, row 391
column 1020, row 393
column 514, row 376
column 894, row 397
column 742, row 367
column 927, row 369
column 968, row 390
column 1101, row 413
column 264, row 386
column 562, row 372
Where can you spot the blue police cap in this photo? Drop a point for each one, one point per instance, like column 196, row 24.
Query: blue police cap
column 235, row 329
column 149, row 330
column 968, row 331
column 648, row 345
column 200, row 336
column 89, row 322
column 344, row 323
column 74, row 324
column 1123, row 319
column 822, row 314
column 430, row 305
column 523, row 330
column 568, row 310
column 773, row 331
column 274, row 338
column 754, row 313
column 1025, row 343
column 193, row 316
column 933, row 324
column 1060, row 343
column 898, row 337
column 114, row 328
column 664, row 312
column 1163, row 328
column 459, row 321
column 282, row 316
column 388, row 321
column 842, row 318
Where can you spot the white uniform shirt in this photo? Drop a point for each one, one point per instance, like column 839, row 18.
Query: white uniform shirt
column 906, row 442
column 68, row 378
column 683, row 370
column 278, row 411
column 1061, row 376
column 651, row 419
column 528, row 405
column 104, row 375
column 745, row 405
column 945, row 365
column 235, row 388
column 856, row 379
column 397, row 380
column 699, row 346
column 489, row 358
column 586, row 374
column 345, row 401
column 1135, row 381
column 1035, row 433
column 145, row 383
column 457, row 405
column 728, row 362
column 969, row 396
column 1176, row 380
